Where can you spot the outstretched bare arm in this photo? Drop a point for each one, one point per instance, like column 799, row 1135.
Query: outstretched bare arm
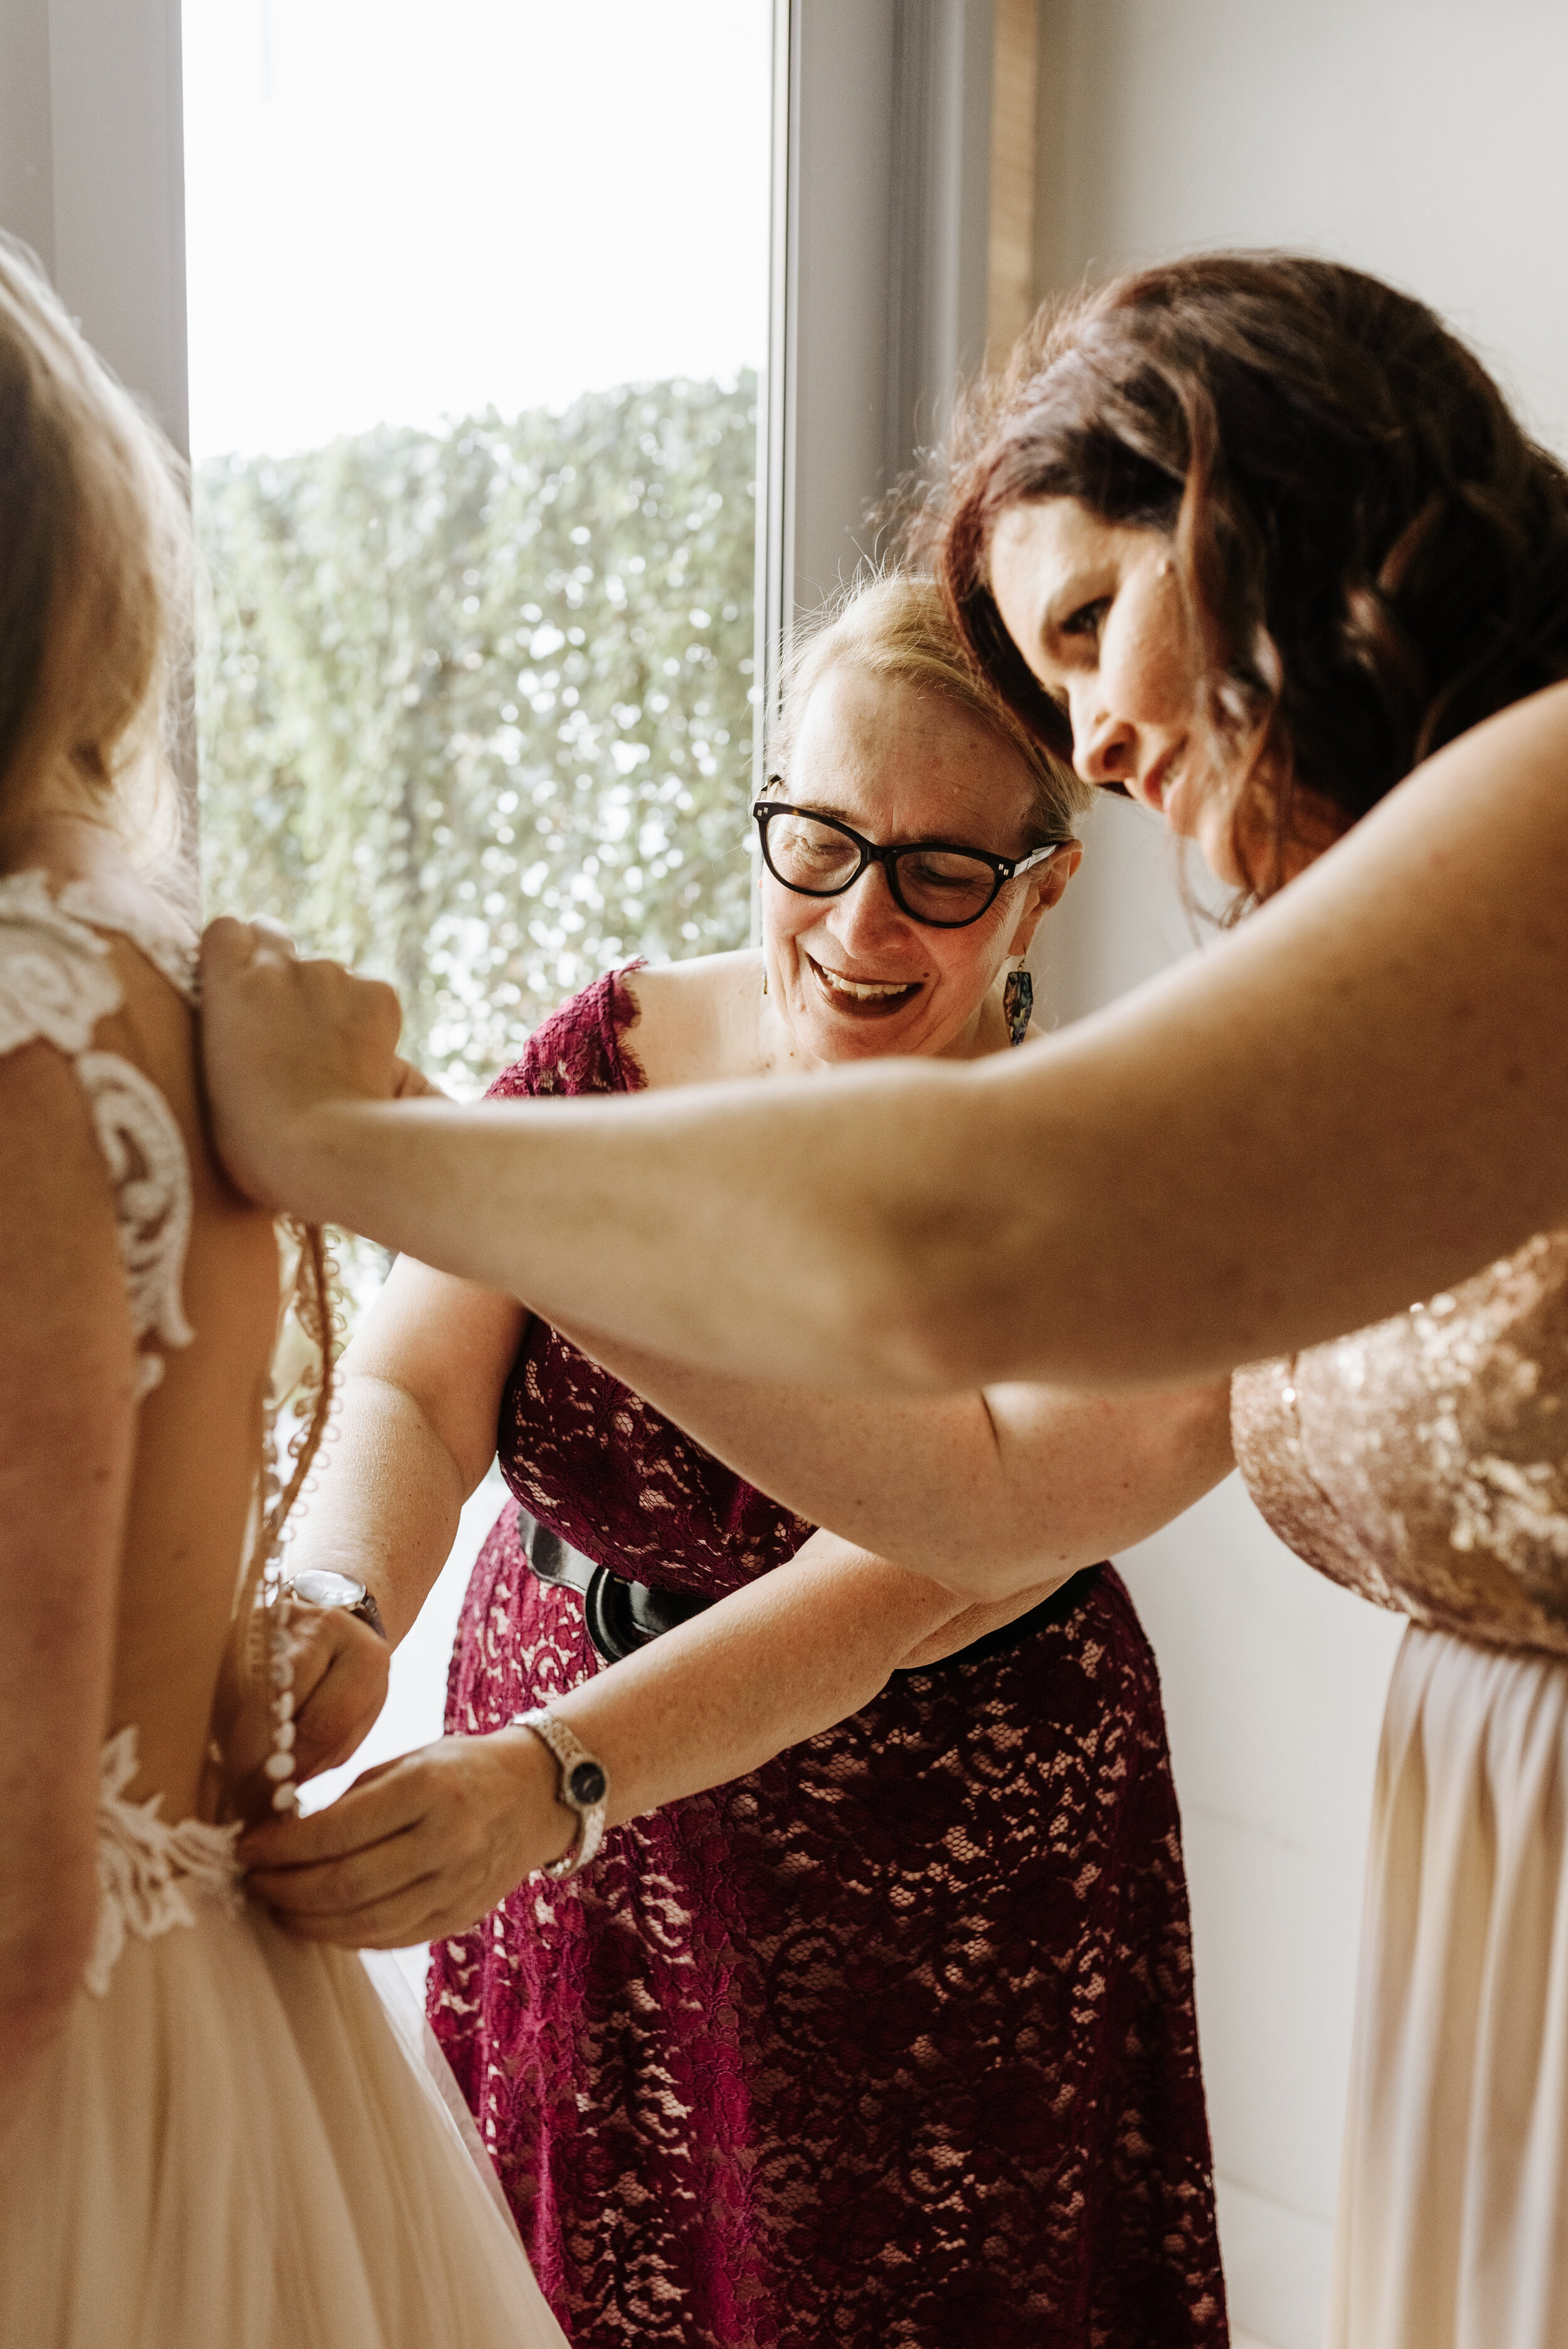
column 1360, row 1097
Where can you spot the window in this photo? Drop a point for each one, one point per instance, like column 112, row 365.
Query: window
column 477, row 302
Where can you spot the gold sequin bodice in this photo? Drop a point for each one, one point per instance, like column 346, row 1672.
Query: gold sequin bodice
column 1424, row 1462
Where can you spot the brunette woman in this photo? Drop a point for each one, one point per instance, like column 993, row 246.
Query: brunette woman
column 1253, row 539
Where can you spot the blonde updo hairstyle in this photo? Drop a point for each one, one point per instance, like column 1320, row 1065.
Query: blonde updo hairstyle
column 898, row 626
column 95, row 570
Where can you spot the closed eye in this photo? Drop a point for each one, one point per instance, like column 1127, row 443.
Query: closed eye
column 1087, row 620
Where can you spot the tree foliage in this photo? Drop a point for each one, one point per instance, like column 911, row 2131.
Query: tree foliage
column 476, row 707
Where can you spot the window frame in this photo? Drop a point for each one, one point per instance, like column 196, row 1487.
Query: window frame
column 880, row 284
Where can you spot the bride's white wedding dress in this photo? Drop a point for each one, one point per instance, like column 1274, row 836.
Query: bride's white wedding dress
column 229, row 2148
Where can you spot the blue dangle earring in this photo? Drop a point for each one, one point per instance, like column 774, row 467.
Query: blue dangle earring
column 1018, row 1004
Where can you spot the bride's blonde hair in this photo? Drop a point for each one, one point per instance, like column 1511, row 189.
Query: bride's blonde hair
column 95, row 575
column 96, row 582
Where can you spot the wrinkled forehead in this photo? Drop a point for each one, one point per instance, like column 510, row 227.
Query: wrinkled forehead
column 902, row 760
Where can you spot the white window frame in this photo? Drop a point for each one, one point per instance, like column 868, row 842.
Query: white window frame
column 880, row 278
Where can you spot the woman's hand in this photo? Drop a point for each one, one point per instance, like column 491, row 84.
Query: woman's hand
column 281, row 1038
column 340, row 1668
column 417, row 1847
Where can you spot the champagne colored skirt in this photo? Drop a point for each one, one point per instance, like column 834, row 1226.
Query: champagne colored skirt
column 233, row 2149
column 1453, row 2206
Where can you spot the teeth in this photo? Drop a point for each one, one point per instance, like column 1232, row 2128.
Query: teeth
column 866, row 990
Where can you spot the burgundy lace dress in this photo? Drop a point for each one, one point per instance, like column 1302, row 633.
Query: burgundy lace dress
column 889, row 2044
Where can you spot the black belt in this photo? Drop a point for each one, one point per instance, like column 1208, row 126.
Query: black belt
column 622, row 1617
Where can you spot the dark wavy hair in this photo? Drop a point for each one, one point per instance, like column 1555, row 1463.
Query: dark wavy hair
column 1374, row 552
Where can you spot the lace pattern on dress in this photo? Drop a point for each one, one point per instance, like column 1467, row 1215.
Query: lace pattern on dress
column 168, row 950
column 144, row 1151
column 152, row 1876
column 57, row 982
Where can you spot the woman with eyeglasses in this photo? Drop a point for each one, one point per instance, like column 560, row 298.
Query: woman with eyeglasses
column 860, row 2006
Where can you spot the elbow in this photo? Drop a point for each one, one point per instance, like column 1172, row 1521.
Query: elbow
column 954, row 1286
column 1190, row 1449
column 915, row 1293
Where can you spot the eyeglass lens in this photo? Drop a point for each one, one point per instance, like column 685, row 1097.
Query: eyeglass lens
column 938, row 885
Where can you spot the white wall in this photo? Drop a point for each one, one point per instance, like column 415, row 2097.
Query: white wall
column 1422, row 139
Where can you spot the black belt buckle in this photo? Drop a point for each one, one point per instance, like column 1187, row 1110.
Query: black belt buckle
column 553, row 1559
column 620, row 1617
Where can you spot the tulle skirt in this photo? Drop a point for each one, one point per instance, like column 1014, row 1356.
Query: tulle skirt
column 1453, row 2209
column 232, row 2148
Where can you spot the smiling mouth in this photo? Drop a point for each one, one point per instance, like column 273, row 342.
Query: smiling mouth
column 862, row 997
column 1155, row 788
column 1152, row 787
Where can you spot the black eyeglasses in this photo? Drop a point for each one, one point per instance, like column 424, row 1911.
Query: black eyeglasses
column 933, row 882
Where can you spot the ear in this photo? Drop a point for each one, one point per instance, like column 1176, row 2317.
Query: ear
column 1044, row 890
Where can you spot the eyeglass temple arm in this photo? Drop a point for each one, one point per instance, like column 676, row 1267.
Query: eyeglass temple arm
column 1040, row 857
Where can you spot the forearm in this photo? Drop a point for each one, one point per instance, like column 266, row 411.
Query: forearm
column 580, row 1208
column 770, row 1666
column 1358, row 1098
column 388, row 1507
column 424, row 1845
column 986, row 1492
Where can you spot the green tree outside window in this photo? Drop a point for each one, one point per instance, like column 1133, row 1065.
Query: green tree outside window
column 475, row 708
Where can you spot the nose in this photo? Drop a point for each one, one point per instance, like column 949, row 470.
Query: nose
column 1105, row 748
column 867, row 917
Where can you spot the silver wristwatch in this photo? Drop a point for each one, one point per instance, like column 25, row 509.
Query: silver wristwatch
column 583, row 1788
column 318, row 1588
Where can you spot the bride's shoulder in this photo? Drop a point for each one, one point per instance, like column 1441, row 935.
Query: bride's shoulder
column 59, row 1236
column 96, row 963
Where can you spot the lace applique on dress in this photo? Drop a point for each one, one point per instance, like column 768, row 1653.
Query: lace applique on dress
column 166, row 950
column 144, row 1151
column 57, row 982
column 150, row 1874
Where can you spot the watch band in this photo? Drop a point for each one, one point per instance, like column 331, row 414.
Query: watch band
column 584, row 1786
column 368, row 1612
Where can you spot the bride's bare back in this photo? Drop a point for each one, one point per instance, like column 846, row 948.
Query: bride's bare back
column 190, row 1452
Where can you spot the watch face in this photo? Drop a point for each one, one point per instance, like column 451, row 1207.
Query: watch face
column 585, row 1785
column 319, row 1589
